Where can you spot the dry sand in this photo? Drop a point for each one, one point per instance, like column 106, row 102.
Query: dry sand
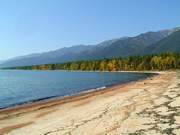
column 150, row 107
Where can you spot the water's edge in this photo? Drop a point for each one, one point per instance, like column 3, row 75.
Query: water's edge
column 83, row 92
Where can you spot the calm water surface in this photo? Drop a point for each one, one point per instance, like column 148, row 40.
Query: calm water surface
column 22, row 86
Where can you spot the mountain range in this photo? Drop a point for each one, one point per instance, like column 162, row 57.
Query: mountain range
column 142, row 44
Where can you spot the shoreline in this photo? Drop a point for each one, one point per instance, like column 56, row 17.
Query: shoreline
column 82, row 93
column 112, row 110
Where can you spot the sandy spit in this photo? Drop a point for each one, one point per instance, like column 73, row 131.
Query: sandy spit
column 150, row 106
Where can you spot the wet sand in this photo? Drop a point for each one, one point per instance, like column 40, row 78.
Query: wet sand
column 150, row 106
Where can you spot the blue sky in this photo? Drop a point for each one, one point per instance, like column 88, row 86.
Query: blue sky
column 30, row 26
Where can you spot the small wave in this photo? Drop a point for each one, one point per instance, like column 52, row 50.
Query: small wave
column 91, row 90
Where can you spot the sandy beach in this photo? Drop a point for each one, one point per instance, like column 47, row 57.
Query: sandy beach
column 150, row 107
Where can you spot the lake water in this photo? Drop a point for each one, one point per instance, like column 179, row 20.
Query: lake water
column 22, row 86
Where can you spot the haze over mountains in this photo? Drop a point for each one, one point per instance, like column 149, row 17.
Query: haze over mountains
column 146, row 43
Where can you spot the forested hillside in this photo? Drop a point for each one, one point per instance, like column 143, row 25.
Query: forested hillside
column 163, row 61
column 171, row 43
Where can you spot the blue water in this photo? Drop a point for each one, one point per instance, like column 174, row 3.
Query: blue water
column 22, row 86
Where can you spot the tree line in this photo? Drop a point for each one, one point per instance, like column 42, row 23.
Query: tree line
column 162, row 61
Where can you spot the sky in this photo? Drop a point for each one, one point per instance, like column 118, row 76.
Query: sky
column 32, row 26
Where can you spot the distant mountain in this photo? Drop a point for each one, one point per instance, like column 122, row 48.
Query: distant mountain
column 121, row 47
column 60, row 55
column 168, row 44
column 124, row 47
